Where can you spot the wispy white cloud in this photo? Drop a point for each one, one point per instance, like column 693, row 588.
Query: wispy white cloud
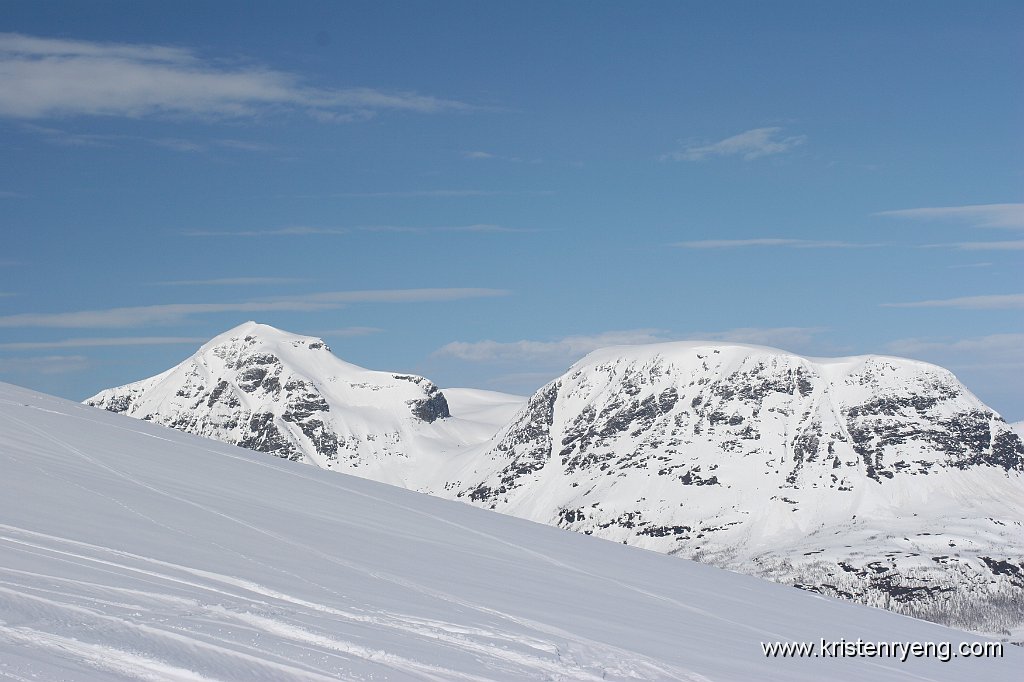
column 1012, row 245
column 348, row 332
column 48, row 77
column 135, row 316
column 749, row 145
column 991, row 365
column 561, row 350
column 243, row 145
column 179, row 145
column 790, row 338
column 567, row 350
column 231, row 281
column 292, row 231
column 50, row 364
column 443, row 193
column 396, row 295
column 477, row 227
column 980, row 215
column 486, row 228
column 770, row 241
column 963, row 266
column 300, row 231
column 66, row 138
column 993, row 343
column 988, row 302
column 477, row 155
column 171, row 313
column 104, row 342
column 9, row 195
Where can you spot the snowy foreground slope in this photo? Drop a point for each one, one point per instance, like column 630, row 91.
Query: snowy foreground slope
column 131, row 551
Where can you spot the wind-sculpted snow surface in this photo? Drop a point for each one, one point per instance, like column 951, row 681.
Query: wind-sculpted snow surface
column 130, row 551
column 874, row 478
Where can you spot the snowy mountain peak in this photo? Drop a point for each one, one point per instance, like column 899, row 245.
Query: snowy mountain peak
column 269, row 390
column 872, row 477
column 263, row 334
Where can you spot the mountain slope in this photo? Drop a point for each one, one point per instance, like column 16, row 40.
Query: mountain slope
column 265, row 389
column 875, row 478
column 129, row 551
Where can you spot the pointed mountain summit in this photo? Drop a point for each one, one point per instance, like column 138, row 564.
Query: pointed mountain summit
column 265, row 389
column 876, row 478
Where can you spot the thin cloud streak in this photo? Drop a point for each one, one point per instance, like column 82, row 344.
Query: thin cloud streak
column 994, row 354
column 993, row 343
column 104, row 342
column 750, row 145
column 294, row 231
column 305, row 231
column 561, row 350
column 396, row 295
column 349, row 332
column 483, row 228
column 444, row 193
column 970, row 265
column 231, row 281
column 1014, row 245
column 135, row 316
column 50, row 364
column 51, row 77
column 65, row 138
column 771, row 242
column 989, row 302
column 171, row 313
column 777, row 337
column 571, row 348
column 1007, row 216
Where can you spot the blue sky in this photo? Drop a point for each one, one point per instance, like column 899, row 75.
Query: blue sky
column 483, row 192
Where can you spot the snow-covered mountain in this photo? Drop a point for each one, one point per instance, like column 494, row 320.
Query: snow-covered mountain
column 876, row 478
column 130, row 551
column 265, row 389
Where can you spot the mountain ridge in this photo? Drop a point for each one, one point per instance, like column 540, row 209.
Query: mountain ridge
column 868, row 477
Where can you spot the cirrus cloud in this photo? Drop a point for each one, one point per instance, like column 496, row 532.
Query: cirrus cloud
column 750, row 144
column 53, row 77
column 1010, row 216
column 770, row 241
column 170, row 313
column 987, row 302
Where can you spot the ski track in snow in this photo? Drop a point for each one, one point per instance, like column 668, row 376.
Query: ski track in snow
column 437, row 632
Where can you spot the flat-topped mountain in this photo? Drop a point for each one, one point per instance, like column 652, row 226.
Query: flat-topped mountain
column 877, row 478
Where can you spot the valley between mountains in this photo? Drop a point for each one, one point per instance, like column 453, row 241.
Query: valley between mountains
column 876, row 479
